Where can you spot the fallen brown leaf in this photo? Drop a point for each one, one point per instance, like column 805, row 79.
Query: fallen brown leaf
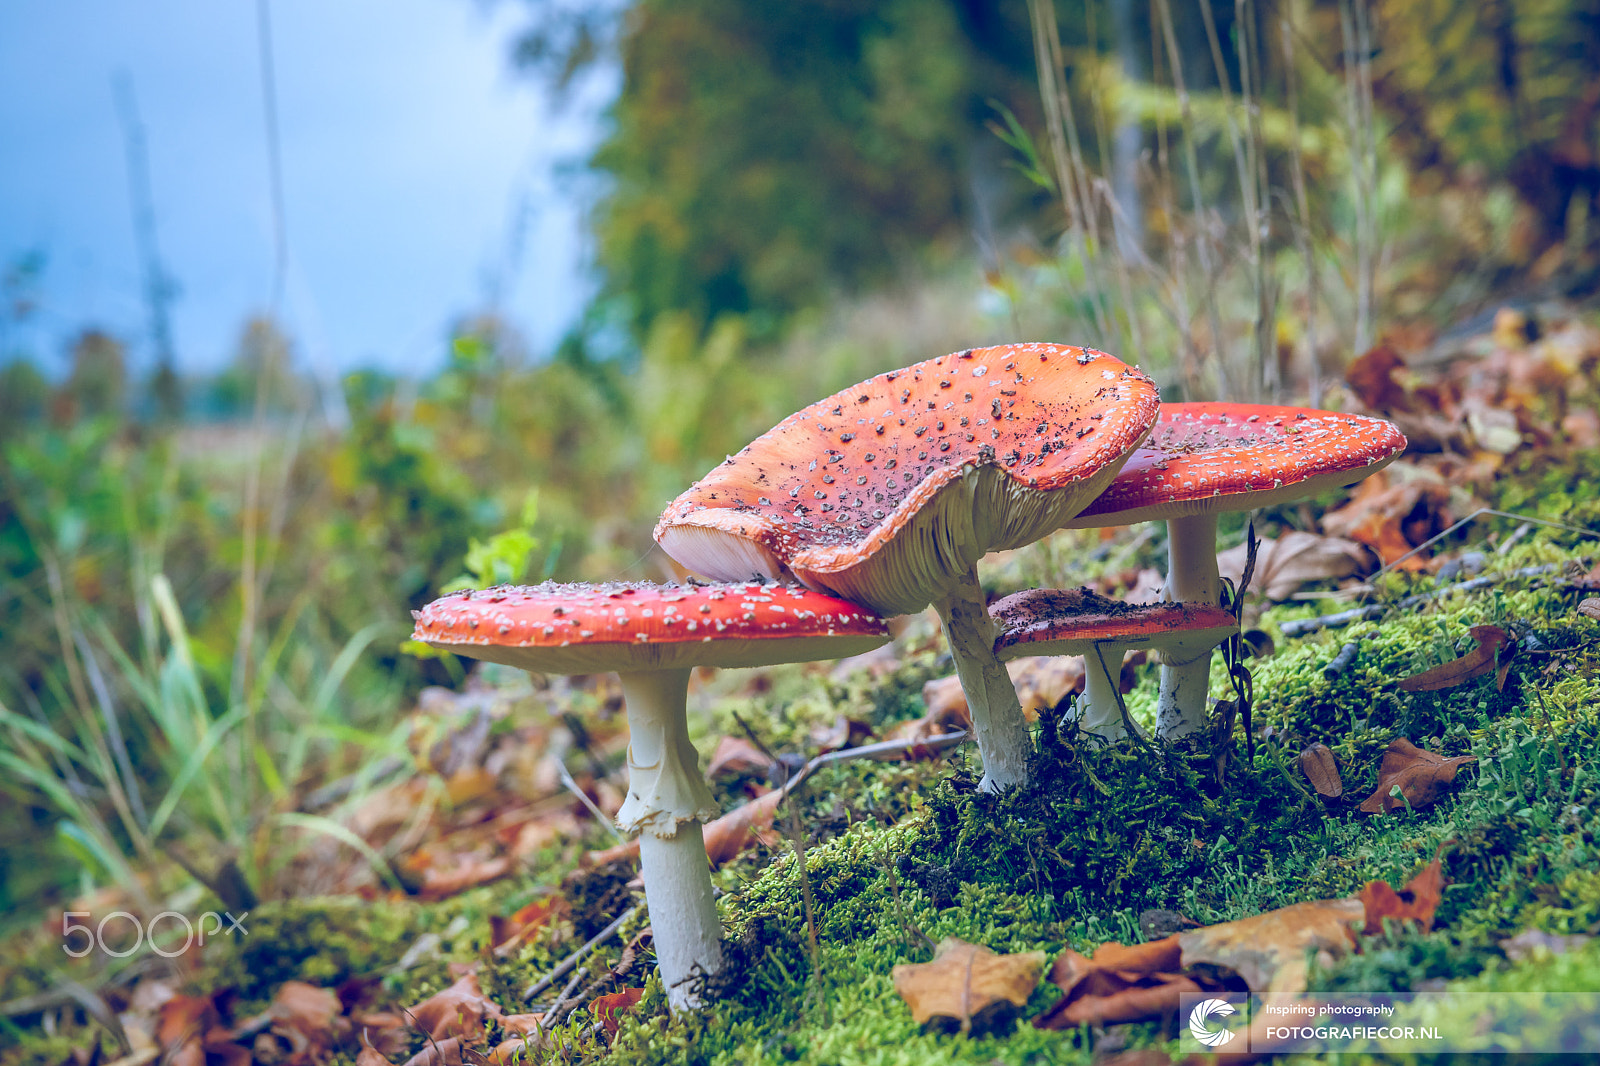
column 1477, row 662
column 1269, row 950
column 457, row 1011
column 438, row 1053
column 844, row 733
column 1120, row 983
column 1421, row 776
column 1590, row 607
column 369, row 1055
column 1042, row 683
column 1416, row 902
column 966, row 980
column 1294, row 559
column 726, row 837
column 1320, row 768
column 606, row 1008
column 314, row 1013
column 1370, row 376
column 738, row 757
column 467, row 871
column 507, row 933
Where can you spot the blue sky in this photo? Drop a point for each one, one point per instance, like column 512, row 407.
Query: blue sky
column 409, row 148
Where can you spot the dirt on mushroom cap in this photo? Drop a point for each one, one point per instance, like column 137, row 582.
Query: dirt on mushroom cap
column 1199, row 454
column 1049, row 615
column 841, row 472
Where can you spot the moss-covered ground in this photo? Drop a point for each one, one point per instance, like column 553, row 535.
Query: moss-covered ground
column 899, row 855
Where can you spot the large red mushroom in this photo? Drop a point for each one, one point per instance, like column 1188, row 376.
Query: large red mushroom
column 889, row 492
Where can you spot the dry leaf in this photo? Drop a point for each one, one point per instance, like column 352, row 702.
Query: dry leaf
column 1269, row 950
column 438, row 1053
column 726, row 837
column 1119, row 984
column 467, row 871
column 844, row 733
column 1421, row 776
column 506, row 934
column 1322, row 771
column 313, row 1013
column 737, row 757
column 1294, row 559
column 739, row 828
column 1371, row 377
column 1475, row 663
column 1416, row 902
column 369, row 1055
column 1042, row 683
column 1590, row 607
column 459, row 1010
column 606, row 1008
column 965, row 980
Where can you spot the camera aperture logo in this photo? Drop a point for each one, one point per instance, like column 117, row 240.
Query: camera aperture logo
column 1207, row 1009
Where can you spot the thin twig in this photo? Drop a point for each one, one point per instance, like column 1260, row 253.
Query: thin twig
column 1474, row 515
column 583, row 797
column 572, row 960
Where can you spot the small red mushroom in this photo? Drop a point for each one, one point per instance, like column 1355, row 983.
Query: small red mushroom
column 1206, row 458
column 651, row 635
column 1081, row 622
column 889, row 492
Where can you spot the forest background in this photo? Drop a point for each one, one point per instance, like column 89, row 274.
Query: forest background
column 205, row 581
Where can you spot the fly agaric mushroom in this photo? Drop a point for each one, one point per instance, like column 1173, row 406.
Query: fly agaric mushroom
column 1206, row 458
column 652, row 635
column 1081, row 622
column 889, row 493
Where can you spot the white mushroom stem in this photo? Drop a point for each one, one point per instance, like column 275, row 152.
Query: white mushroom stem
column 997, row 720
column 1184, row 701
column 1098, row 710
column 667, row 802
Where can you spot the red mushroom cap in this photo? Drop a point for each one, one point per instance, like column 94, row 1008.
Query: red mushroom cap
column 833, row 485
column 589, row 628
column 1072, row 621
column 1209, row 457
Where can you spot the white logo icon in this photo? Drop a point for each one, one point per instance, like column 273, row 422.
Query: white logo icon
column 1210, row 1008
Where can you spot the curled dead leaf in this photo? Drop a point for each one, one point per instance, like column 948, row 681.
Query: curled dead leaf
column 1120, row 983
column 967, row 983
column 1269, row 950
column 1416, row 902
column 1590, row 607
column 1495, row 649
column 1321, row 769
column 506, row 934
column 606, row 1008
column 459, row 1010
column 1419, row 775
column 737, row 757
column 1294, row 559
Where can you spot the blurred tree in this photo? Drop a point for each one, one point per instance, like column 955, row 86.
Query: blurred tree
column 762, row 155
column 1509, row 89
column 24, row 392
column 264, row 362
column 96, row 383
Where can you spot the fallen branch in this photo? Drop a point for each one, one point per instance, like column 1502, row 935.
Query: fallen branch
column 1372, row 611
